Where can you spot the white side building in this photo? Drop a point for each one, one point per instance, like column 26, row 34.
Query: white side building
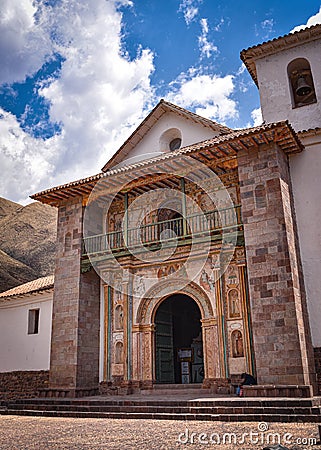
column 25, row 326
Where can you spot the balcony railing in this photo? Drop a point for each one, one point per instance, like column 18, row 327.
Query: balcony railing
column 193, row 226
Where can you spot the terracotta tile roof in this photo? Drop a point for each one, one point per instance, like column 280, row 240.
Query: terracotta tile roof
column 38, row 285
column 249, row 55
column 311, row 131
column 280, row 132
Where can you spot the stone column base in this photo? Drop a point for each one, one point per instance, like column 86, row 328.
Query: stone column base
column 120, row 387
column 217, row 385
column 67, row 392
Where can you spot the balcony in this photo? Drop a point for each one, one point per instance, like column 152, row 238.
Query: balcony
column 177, row 231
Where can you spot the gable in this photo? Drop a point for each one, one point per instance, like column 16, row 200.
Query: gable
column 165, row 123
column 168, row 129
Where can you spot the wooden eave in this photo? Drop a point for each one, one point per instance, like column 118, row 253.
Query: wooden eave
column 212, row 152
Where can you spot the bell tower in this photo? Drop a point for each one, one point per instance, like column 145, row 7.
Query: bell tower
column 287, row 71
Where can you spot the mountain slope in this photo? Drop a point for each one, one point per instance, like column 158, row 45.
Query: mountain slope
column 7, row 207
column 13, row 272
column 28, row 237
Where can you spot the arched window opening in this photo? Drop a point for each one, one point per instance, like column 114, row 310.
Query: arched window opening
column 170, row 222
column 170, row 140
column 301, row 83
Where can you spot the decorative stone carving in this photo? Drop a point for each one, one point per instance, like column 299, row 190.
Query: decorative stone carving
column 118, row 317
column 207, row 281
column 232, row 275
column 119, row 354
column 169, row 269
column 234, row 304
column 237, row 344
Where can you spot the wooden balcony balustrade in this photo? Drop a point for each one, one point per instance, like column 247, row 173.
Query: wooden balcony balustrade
column 195, row 226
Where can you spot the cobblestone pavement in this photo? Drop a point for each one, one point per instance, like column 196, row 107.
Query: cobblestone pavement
column 39, row 433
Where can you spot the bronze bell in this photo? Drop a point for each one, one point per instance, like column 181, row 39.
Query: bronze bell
column 303, row 88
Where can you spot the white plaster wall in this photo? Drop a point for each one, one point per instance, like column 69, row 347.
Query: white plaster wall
column 305, row 170
column 149, row 146
column 275, row 92
column 18, row 349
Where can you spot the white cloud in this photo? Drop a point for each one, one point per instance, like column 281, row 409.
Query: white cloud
column 206, row 47
column 241, row 69
column 190, row 10
column 98, row 97
column 313, row 20
column 264, row 29
column 26, row 163
column 267, row 25
column 219, row 26
column 24, row 43
column 208, row 95
column 98, row 87
column 256, row 116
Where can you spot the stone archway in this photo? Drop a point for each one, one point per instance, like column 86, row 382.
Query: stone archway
column 144, row 330
column 162, row 290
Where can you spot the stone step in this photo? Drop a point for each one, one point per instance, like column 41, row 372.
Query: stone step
column 199, row 409
column 180, row 387
column 215, row 408
column 177, row 389
column 204, row 402
column 174, row 391
column 207, row 409
column 171, row 416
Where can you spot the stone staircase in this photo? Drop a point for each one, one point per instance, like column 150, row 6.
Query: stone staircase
column 194, row 389
column 227, row 409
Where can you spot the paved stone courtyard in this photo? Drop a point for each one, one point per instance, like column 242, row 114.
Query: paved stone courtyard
column 39, row 433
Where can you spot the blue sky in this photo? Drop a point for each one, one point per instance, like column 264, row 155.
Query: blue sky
column 77, row 76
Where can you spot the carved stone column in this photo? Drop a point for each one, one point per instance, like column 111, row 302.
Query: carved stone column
column 144, row 366
column 211, row 351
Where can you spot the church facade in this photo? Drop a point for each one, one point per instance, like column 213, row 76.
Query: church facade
column 194, row 255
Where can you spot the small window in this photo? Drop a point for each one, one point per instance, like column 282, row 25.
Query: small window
column 33, row 321
column 68, row 242
column 175, row 144
column 260, row 196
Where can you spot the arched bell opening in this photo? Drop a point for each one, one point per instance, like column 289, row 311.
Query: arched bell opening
column 301, row 83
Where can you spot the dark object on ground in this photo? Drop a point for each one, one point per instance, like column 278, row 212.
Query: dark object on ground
column 247, row 380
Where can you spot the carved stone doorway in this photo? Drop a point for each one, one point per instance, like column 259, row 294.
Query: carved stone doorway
column 178, row 341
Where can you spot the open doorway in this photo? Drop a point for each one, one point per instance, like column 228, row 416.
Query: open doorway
column 178, row 341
